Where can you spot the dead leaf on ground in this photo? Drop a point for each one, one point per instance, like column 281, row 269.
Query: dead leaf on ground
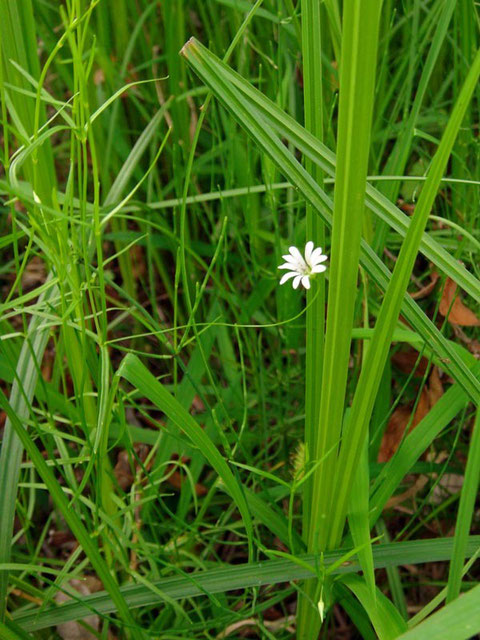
column 176, row 480
column 474, row 347
column 123, row 471
column 402, row 417
column 407, row 361
column 435, row 387
column 412, row 491
column 74, row 630
column 452, row 307
column 448, row 484
column 35, row 273
column 139, row 267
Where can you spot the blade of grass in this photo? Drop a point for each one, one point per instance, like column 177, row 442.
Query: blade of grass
column 26, row 377
column 393, row 575
column 10, row 631
column 440, row 597
column 357, row 82
column 358, row 520
column 240, row 576
column 465, row 513
column 357, row 79
column 315, row 317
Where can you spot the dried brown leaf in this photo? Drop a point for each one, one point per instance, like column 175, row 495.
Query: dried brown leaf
column 35, row 273
column 74, row 630
column 402, row 417
column 407, row 361
column 176, row 480
column 123, row 471
column 454, row 310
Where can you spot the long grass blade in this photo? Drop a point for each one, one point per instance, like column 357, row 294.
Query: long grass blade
column 357, row 81
column 465, row 513
column 221, row 80
column 241, row 576
column 216, row 74
column 385, row 618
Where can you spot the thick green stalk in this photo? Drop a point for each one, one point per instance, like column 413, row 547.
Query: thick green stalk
column 315, row 316
column 357, row 79
column 312, row 89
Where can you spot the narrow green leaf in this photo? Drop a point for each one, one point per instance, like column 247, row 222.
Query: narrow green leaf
column 138, row 375
column 11, row 631
column 465, row 513
column 21, row 394
column 358, row 519
column 240, row 576
column 315, row 316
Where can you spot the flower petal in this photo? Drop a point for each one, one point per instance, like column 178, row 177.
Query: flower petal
column 289, row 258
column 297, row 255
column 316, row 255
column 296, row 281
column 306, row 282
column 287, row 276
column 319, row 268
column 308, row 251
column 286, row 265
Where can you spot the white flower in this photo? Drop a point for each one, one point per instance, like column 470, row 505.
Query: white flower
column 300, row 268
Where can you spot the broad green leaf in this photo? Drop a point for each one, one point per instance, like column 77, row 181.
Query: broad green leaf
column 386, row 620
column 459, row 620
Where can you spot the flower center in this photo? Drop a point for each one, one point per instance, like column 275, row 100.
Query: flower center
column 304, row 269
